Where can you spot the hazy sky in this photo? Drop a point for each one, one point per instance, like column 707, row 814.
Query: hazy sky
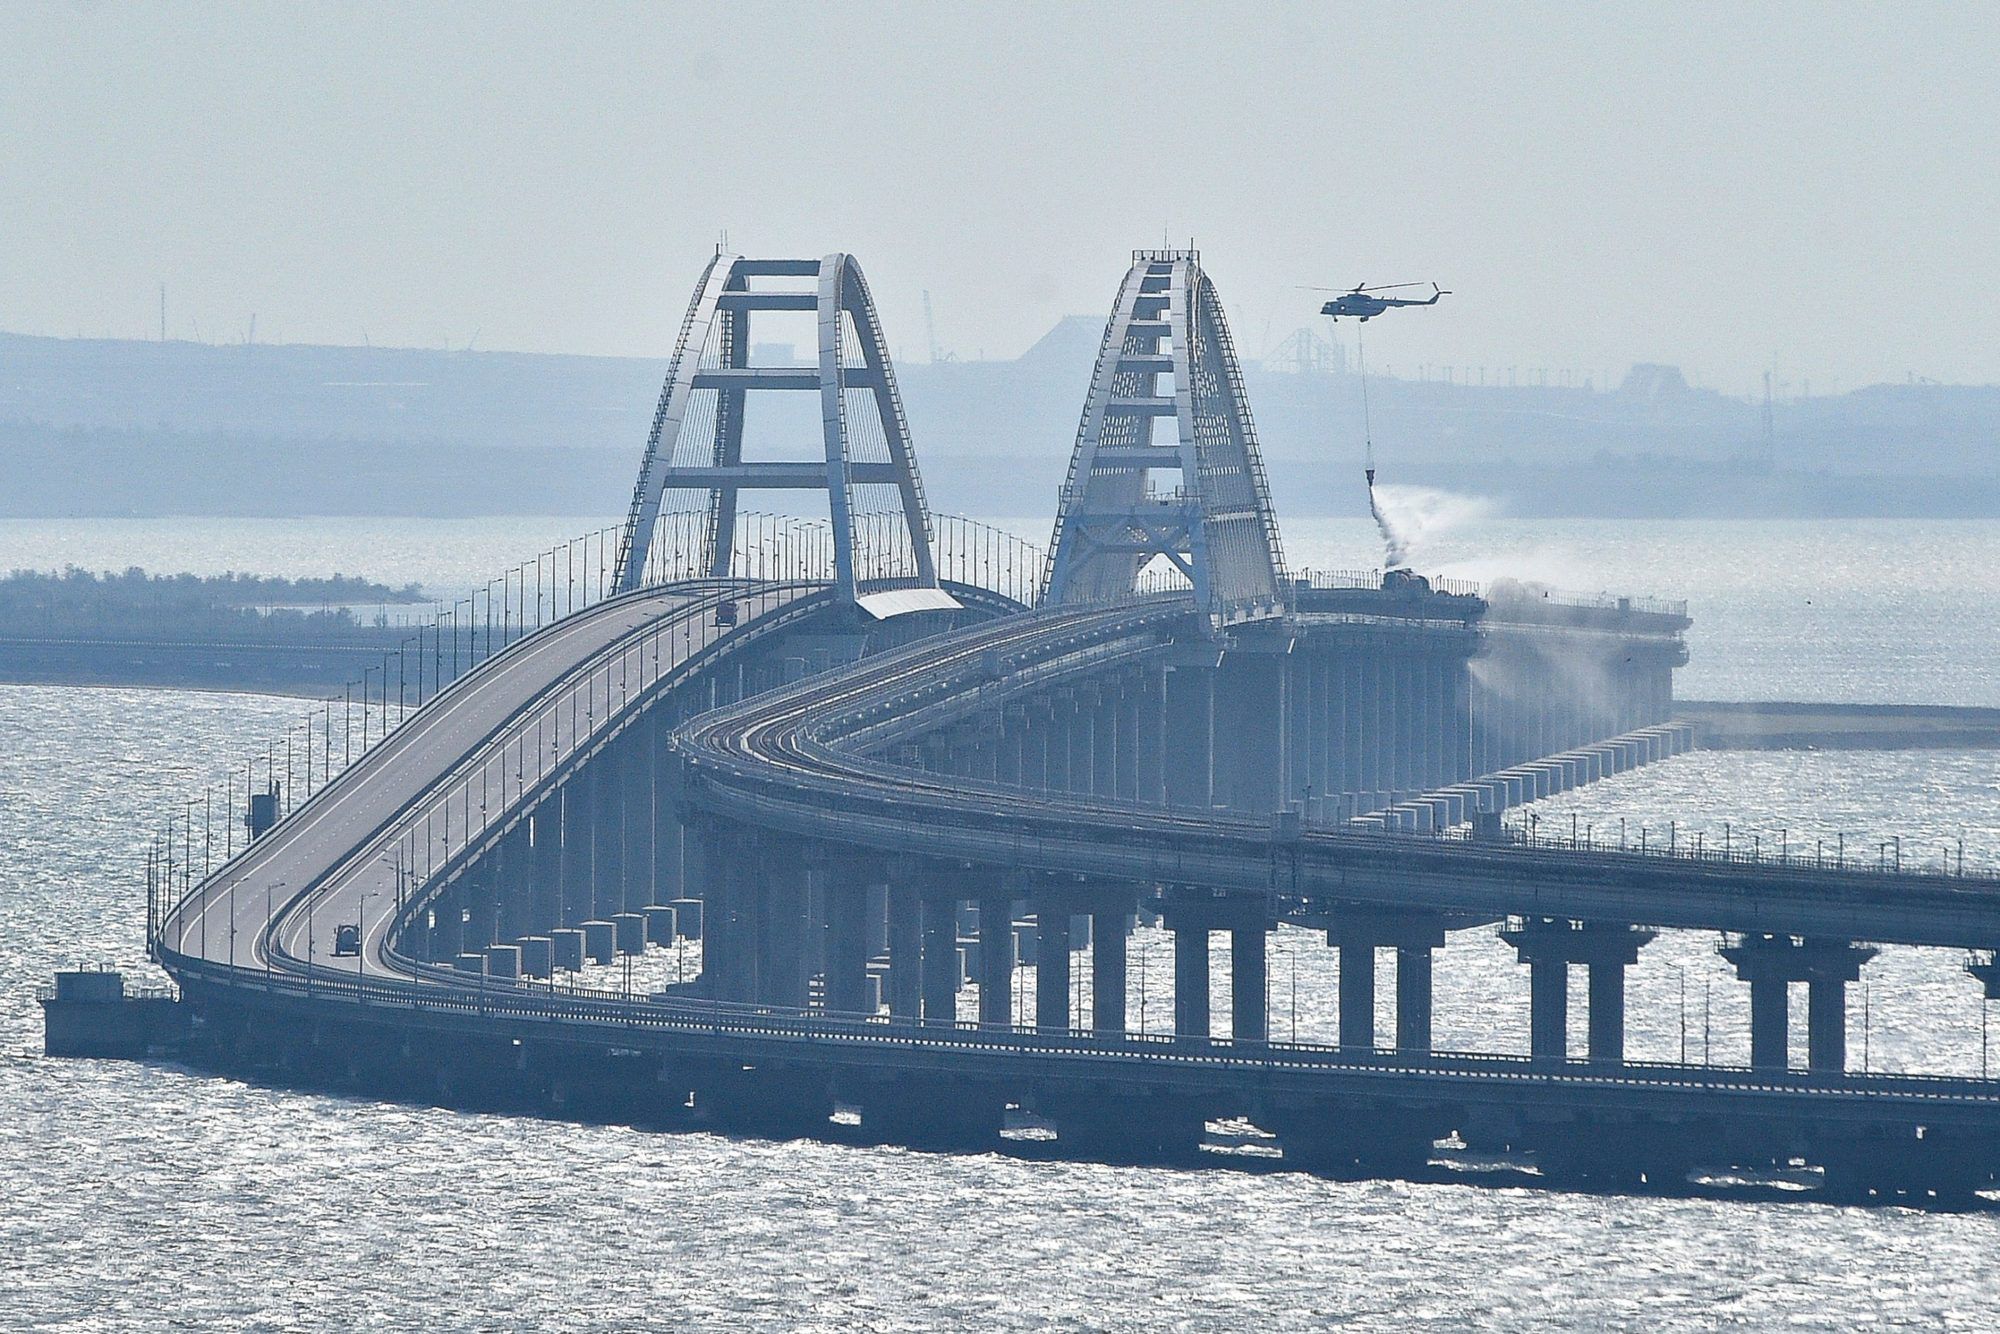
column 1706, row 185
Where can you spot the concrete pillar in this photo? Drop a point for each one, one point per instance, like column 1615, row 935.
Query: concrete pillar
column 566, row 948
column 996, row 960
column 1549, row 945
column 905, row 952
column 1249, row 999
column 1607, row 1012
column 1007, row 750
column 1548, row 1009
column 573, row 887
column 1826, row 1025
column 1770, row 1023
column 1301, row 727
column 1413, row 999
column 1107, row 970
column 669, row 837
column 1191, row 980
column 1190, row 736
column 631, row 932
column 1052, row 967
column 1357, row 996
column 846, row 938
column 1149, row 739
column 781, row 891
column 1083, row 741
column 1125, row 749
column 1061, row 721
column 1347, row 690
column 1769, row 963
column 1105, row 716
column 940, row 960
column 607, row 870
column 545, row 868
column 1249, row 731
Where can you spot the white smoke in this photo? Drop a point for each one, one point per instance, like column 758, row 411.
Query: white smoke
column 1412, row 517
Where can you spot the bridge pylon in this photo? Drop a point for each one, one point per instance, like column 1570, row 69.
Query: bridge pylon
column 1167, row 397
column 695, row 451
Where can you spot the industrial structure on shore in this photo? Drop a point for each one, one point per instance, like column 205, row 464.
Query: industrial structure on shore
column 880, row 762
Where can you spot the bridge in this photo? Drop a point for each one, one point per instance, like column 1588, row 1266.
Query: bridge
column 872, row 768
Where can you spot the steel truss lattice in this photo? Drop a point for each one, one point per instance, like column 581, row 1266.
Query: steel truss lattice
column 1167, row 395
column 696, row 445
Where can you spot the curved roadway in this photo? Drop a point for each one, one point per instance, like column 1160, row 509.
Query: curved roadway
column 802, row 759
column 461, row 764
column 488, row 745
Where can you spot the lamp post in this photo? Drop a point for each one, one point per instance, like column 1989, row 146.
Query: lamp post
column 1681, row 974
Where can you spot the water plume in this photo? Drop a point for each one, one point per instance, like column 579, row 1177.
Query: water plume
column 1410, row 517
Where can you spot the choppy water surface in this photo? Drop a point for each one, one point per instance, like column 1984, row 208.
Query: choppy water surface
column 141, row 1195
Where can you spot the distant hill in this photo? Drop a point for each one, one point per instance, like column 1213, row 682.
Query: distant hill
column 110, row 427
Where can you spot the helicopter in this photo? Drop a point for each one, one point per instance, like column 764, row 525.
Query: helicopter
column 1361, row 302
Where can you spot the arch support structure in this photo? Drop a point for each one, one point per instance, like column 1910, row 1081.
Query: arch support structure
column 1167, row 397
column 695, row 451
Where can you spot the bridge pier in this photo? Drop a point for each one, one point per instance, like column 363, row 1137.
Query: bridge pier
column 1249, row 707
column 544, row 825
column 607, row 869
column 1191, row 913
column 845, row 900
column 1191, row 1019
column 906, row 948
column 1105, row 715
column 1109, row 930
column 1081, row 726
column 996, row 956
column 1357, row 933
column 573, row 880
column 1189, row 737
column 669, row 872
column 1249, row 982
column 940, row 959
column 635, row 818
column 1549, row 945
column 1770, row 963
column 1061, row 722
column 1052, row 965
column 513, row 868
column 1008, row 745
column 481, row 910
column 781, row 891
column 1149, row 738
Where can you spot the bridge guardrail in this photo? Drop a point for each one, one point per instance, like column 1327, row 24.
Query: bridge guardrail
column 211, row 830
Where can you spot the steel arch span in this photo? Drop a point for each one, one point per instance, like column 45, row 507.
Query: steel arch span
column 1215, row 525
column 867, row 466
